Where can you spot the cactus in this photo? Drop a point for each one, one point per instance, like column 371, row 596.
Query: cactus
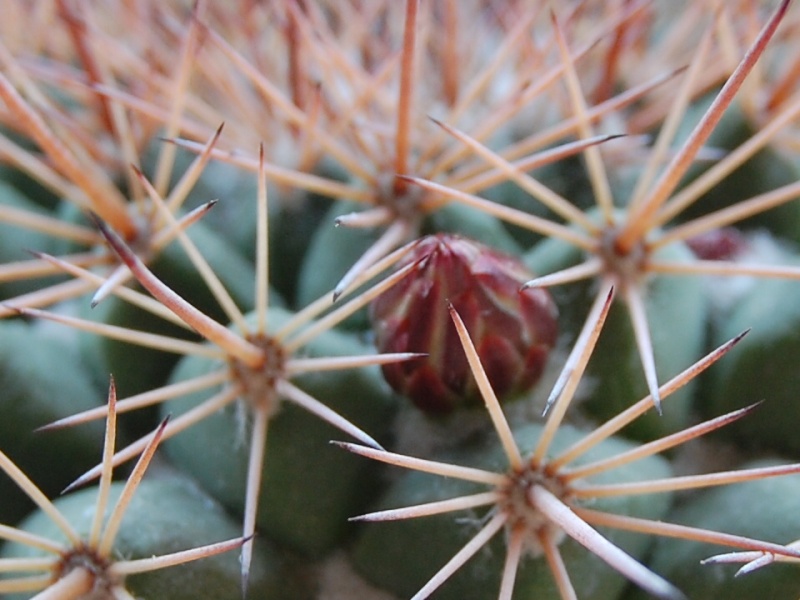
column 644, row 153
column 85, row 549
column 540, row 500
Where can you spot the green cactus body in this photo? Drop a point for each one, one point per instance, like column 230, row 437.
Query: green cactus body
column 767, row 170
column 42, row 380
column 166, row 515
column 138, row 369
column 21, row 182
column 15, row 242
column 339, row 92
column 767, row 355
column 764, row 510
column 293, row 227
column 309, row 488
column 474, row 224
column 231, row 219
column 677, row 311
column 334, row 249
column 330, row 253
column 402, row 555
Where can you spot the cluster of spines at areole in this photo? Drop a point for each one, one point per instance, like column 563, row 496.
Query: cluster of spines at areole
column 210, row 201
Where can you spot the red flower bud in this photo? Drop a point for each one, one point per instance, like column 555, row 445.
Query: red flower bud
column 513, row 331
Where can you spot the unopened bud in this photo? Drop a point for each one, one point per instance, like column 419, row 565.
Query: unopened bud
column 512, row 330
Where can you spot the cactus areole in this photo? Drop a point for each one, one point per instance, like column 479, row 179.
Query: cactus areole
column 513, row 330
column 258, row 382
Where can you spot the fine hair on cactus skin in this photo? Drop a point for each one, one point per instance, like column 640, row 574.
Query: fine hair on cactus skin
column 621, row 249
column 255, row 366
column 540, row 499
column 83, row 566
